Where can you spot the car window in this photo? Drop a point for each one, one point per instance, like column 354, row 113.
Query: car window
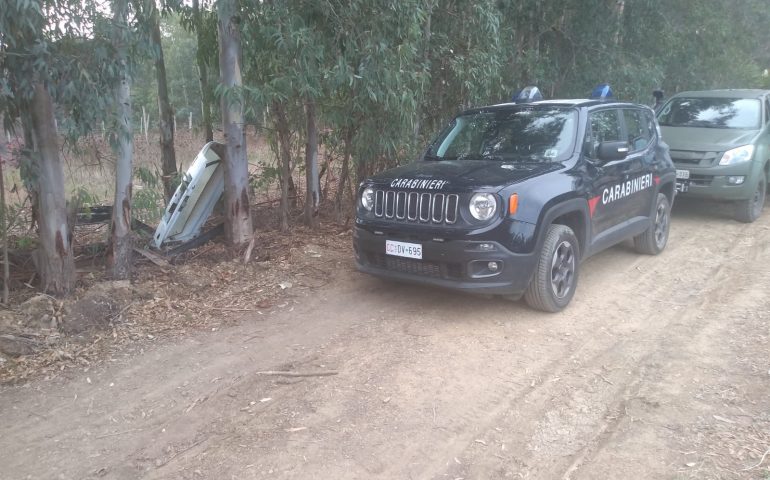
column 605, row 127
column 525, row 134
column 711, row 112
column 638, row 128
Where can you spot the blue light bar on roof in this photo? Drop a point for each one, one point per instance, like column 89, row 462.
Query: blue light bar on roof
column 602, row 92
column 527, row 94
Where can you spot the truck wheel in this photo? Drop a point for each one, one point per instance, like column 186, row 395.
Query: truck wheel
column 556, row 274
column 749, row 210
column 654, row 239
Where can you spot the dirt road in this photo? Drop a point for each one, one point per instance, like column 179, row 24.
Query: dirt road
column 660, row 368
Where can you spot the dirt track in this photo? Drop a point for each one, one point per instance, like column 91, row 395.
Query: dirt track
column 660, row 368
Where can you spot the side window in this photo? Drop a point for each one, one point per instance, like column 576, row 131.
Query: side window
column 605, row 127
column 639, row 128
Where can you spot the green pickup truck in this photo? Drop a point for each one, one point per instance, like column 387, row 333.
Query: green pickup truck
column 720, row 145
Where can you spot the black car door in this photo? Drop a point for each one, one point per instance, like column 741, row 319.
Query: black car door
column 639, row 129
column 605, row 203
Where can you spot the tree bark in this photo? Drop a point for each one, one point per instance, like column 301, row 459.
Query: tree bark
column 238, row 229
column 166, row 115
column 29, row 168
column 119, row 257
column 426, row 34
column 284, row 147
column 345, row 173
column 4, row 228
column 55, row 262
column 312, row 185
column 203, row 78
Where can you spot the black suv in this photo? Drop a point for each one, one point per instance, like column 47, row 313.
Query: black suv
column 510, row 198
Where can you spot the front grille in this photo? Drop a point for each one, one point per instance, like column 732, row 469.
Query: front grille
column 701, row 180
column 416, row 207
column 422, row 268
column 688, row 157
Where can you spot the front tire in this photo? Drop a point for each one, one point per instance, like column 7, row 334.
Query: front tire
column 655, row 238
column 556, row 273
column 749, row 210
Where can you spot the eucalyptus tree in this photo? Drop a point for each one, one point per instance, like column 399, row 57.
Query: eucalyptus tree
column 120, row 240
column 46, row 61
column 238, row 229
column 374, row 83
column 463, row 58
column 287, row 44
column 202, row 21
column 151, row 20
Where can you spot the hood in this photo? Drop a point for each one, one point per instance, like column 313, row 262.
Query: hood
column 706, row 139
column 460, row 175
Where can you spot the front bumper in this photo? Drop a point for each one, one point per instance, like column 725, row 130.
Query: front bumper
column 711, row 182
column 455, row 264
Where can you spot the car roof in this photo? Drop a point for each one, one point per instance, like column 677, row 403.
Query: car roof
column 725, row 93
column 568, row 102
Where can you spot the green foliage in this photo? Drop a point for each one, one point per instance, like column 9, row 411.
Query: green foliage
column 147, row 202
column 179, row 50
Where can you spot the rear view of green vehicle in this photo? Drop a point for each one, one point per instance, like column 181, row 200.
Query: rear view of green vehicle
column 720, row 145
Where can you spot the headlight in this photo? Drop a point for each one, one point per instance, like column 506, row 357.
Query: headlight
column 367, row 199
column 737, row 155
column 483, row 206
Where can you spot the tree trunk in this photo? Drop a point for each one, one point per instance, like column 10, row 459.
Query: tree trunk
column 29, row 168
column 345, row 173
column 55, row 262
column 238, row 228
column 361, row 171
column 166, row 117
column 312, row 185
column 4, row 228
column 284, row 147
column 203, row 78
column 426, row 33
column 119, row 258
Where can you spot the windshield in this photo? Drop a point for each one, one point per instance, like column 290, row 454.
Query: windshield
column 711, row 113
column 521, row 135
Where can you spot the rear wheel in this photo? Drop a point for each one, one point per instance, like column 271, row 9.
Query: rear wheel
column 556, row 273
column 654, row 239
column 749, row 210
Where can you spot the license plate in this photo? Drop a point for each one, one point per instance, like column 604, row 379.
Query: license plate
column 683, row 174
column 403, row 249
column 682, row 186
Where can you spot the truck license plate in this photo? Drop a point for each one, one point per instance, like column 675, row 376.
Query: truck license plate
column 682, row 174
column 403, row 249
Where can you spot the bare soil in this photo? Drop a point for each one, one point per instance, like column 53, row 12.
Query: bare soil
column 659, row 369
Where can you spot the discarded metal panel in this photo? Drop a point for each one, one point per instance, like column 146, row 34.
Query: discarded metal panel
column 194, row 200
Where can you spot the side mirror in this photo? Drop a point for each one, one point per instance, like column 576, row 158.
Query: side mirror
column 609, row 151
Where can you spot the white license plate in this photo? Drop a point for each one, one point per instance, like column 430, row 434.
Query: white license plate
column 683, row 174
column 403, row 249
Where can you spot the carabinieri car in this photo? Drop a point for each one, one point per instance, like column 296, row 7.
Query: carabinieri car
column 510, row 198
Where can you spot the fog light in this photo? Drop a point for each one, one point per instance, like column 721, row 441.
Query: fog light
column 492, row 266
column 735, row 180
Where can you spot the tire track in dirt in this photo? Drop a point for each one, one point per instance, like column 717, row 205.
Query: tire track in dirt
column 432, row 384
column 605, row 357
column 460, row 433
